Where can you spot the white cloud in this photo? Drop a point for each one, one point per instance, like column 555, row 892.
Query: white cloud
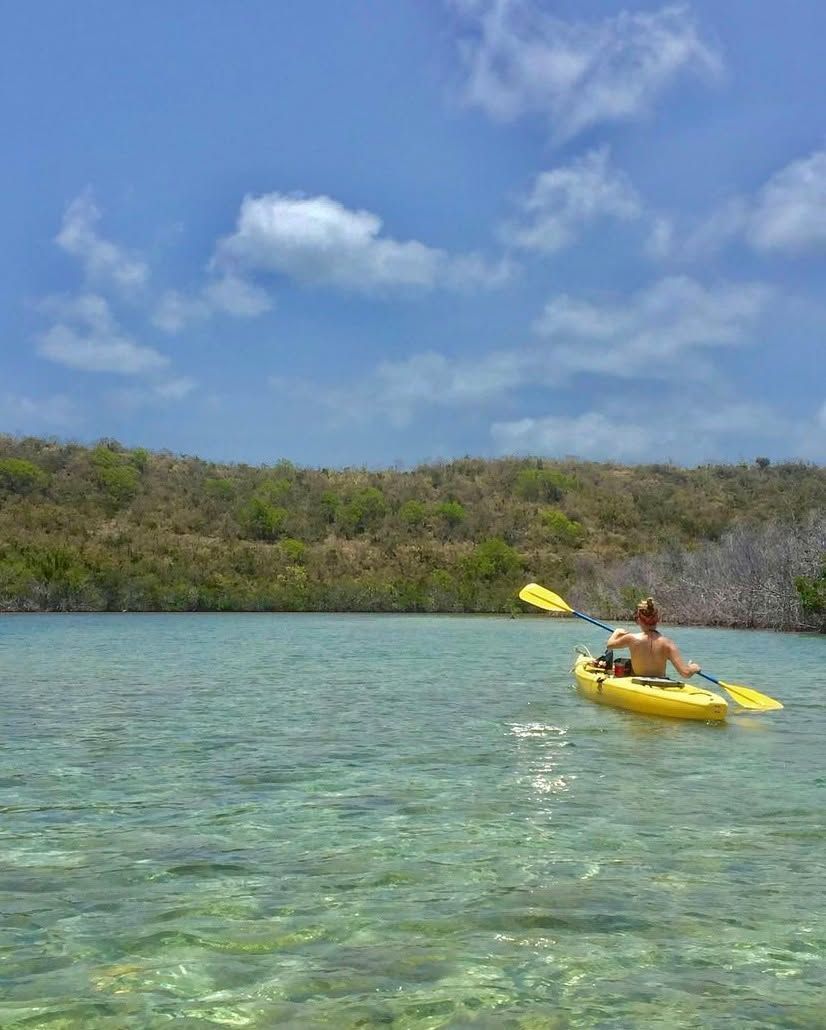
column 568, row 198
column 644, row 335
column 104, row 262
column 786, row 215
column 789, row 212
column 523, row 60
column 228, row 294
column 235, row 296
column 317, row 240
column 68, row 347
column 88, row 338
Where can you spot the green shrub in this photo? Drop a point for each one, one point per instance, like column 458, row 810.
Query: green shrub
column 363, row 511
column 115, row 474
column 139, row 458
column 812, row 592
column 262, row 521
column 542, row 484
column 104, row 457
column 329, row 503
column 220, row 489
column 294, row 551
column 120, row 483
column 16, row 576
column 492, row 559
column 451, row 512
column 20, row 476
column 413, row 513
column 273, row 489
column 561, row 529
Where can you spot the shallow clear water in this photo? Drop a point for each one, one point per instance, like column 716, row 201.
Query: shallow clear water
column 413, row 821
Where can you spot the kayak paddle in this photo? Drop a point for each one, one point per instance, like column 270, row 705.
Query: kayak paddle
column 746, row 697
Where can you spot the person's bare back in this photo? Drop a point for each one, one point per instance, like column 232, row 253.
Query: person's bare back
column 650, row 650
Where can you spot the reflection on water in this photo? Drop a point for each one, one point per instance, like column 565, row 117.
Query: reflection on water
column 545, row 765
column 350, row 821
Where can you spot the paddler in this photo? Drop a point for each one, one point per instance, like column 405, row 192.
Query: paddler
column 650, row 650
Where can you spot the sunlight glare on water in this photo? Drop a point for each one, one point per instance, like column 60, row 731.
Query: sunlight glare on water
column 412, row 821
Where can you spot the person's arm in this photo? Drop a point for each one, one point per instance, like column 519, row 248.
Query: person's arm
column 685, row 669
column 619, row 638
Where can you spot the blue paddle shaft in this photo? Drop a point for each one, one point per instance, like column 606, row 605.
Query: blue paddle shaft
column 588, row 618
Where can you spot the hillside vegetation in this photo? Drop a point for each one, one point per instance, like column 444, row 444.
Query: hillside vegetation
column 110, row 528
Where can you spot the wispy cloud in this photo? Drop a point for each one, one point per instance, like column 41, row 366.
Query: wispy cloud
column 87, row 337
column 787, row 215
column 228, row 294
column 431, row 378
column 567, row 199
column 588, row 435
column 396, row 389
column 521, row 60
column 20, row 413
column 635, row 433
column 655, row 335
column 175, row 311
column 644, row 335
column 104, row 262
column 107, row 264
column 234, row 296
column 317, row 240
column 174, row 389
column 160, row 394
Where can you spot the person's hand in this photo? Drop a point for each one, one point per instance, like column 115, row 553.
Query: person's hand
column 694, row 668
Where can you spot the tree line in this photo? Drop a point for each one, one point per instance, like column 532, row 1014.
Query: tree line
column 110, row 528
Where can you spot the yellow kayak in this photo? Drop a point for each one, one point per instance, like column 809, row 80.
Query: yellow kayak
column 647, row 694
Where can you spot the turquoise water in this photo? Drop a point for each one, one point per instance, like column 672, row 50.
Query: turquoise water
column 405, row 821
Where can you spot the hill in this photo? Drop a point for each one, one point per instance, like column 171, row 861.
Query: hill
column 105, row 527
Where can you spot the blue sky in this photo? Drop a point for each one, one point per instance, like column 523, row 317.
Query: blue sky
column 371, row 233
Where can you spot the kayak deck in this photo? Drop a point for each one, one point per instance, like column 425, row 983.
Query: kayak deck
column 648, row 695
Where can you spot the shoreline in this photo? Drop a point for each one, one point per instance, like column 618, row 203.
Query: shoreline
column 409, row 614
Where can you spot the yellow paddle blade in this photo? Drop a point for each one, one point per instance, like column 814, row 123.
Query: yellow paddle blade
column 747, row 697
column 538, row 596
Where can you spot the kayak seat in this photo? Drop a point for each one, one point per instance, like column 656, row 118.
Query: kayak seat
column 656, row 681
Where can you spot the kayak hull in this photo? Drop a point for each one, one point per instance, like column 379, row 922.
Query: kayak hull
column 672, row 699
